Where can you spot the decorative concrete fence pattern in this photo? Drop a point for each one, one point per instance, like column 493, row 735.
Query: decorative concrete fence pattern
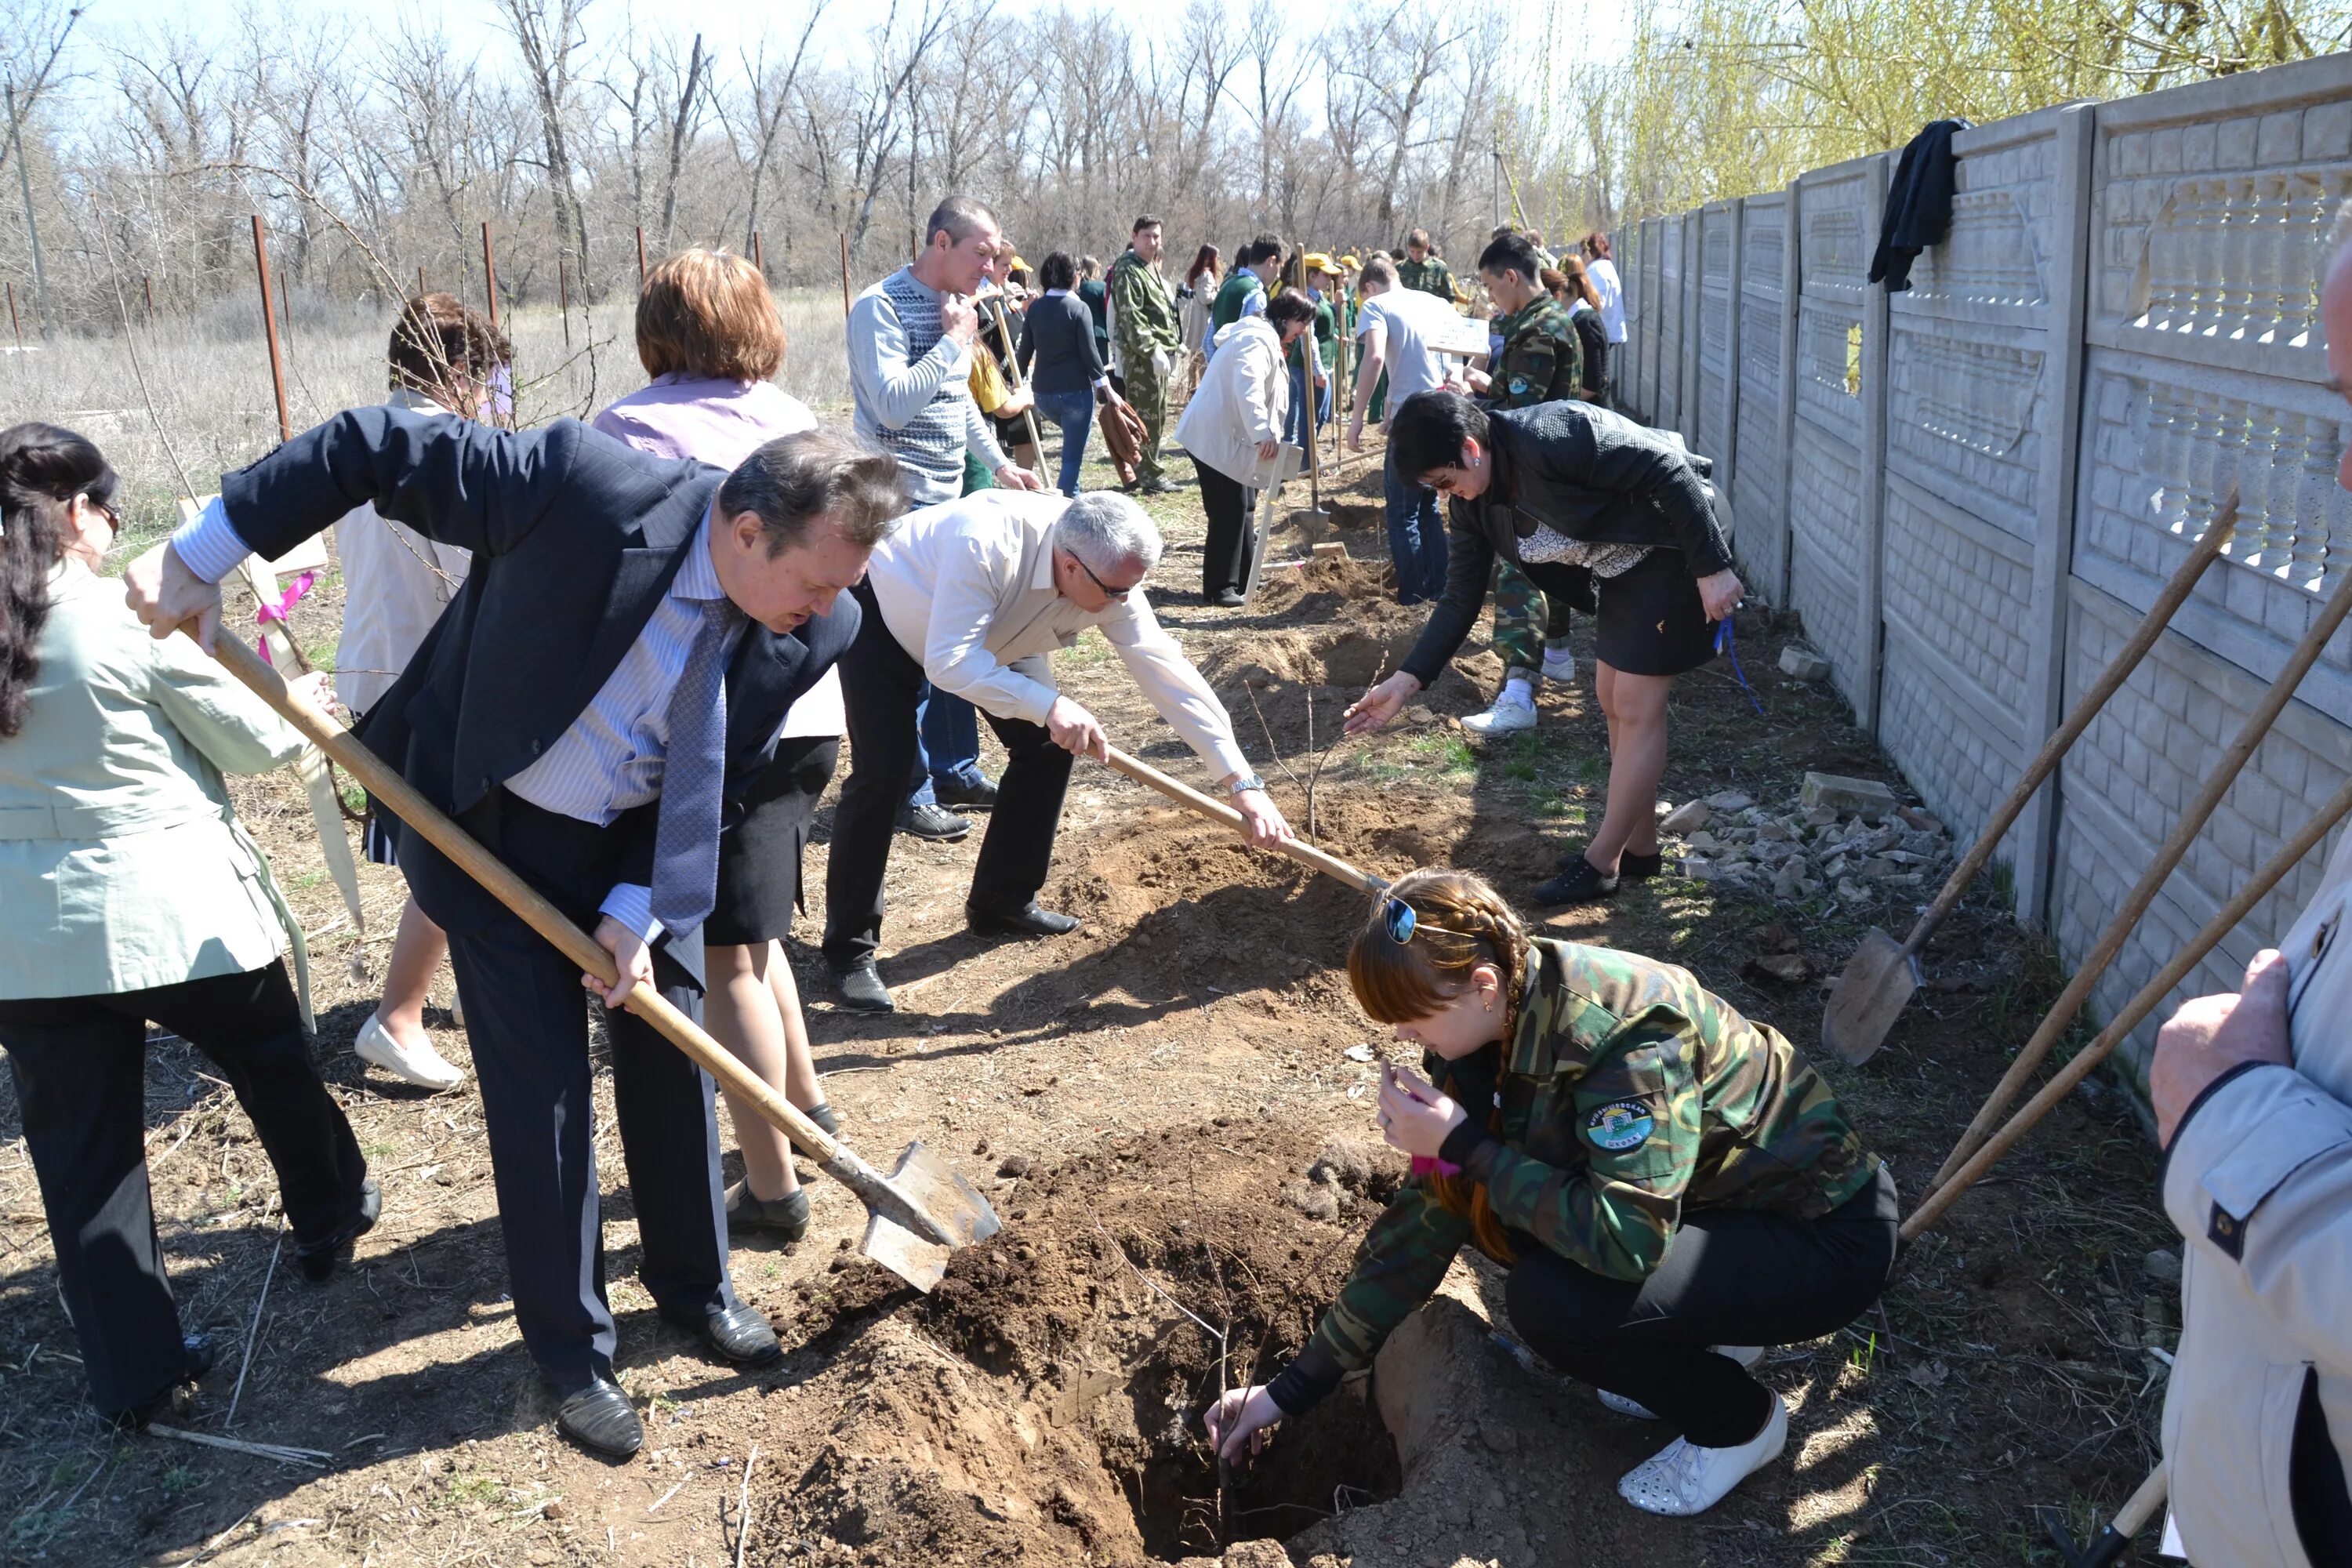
column 1972, row 491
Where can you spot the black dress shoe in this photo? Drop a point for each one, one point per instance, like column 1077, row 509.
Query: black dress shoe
column 1027, row 921
column 787, row 1217
column 176, row 1399
column 741, row 1334
column 317, row 1259
column 600, row 1419
column 861, row 990
column 934, row 824
column 957, row 792
column 821, row 1114
column 1632, row 867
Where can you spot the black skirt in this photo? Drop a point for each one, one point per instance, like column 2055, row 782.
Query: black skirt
column 1651, row 620
column 760, row 857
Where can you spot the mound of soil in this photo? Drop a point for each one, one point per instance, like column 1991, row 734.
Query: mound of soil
column 1298, row 595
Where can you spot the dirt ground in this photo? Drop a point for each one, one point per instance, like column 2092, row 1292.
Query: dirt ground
column 1164, row 1108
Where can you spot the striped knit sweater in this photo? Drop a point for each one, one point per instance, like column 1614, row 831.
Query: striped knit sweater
column 911, row 389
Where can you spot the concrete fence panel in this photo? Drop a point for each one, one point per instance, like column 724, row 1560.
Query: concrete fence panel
column 1832, row 517
column 1665, row 409
column 1766, row 331
column 1975, row 387
column 2205, row 369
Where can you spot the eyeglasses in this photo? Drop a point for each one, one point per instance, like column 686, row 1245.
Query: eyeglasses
column 1401, row 919
column 1108, row 592
column 105, row 509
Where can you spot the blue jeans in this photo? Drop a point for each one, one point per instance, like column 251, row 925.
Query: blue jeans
column 947, row 749
column 1074, row 413
column 1294, row 429
column 1416, row 539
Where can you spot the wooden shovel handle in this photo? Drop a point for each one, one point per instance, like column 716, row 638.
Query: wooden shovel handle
column 1216, row 810
column 2085, row 709
column 2151, row 995
column 417, row 812
column 2152, row 882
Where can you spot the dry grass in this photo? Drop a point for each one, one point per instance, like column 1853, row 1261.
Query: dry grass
column 212, row 392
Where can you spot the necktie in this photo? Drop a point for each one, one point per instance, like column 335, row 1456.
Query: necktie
column 686, row 833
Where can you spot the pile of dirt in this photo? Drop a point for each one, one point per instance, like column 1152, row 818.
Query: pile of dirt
column 1042, row 1405
column 1299, row 594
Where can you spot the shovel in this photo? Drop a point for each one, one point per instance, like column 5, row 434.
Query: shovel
column 1275, row 473
column 1306, row 854
column 1882, row 973
column 919, row 1213
column 2107, row 1547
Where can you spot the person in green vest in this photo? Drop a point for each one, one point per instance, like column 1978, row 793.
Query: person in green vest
column 1541, row 359
column 1424, row 268
column 1310, row 356
column 1143, row 320
column 1245, row 292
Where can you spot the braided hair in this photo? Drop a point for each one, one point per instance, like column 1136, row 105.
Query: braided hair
column 42, row 469
column 1460, row 922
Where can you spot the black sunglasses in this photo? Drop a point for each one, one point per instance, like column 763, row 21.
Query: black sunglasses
column 1108, row 589
column 1400, row 920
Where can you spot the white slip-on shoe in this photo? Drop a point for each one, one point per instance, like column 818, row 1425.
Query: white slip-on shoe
column 1509, row 715
column 1684, row 1479
column 1745, row 1355
column 1559, row 665
column 421, row 1066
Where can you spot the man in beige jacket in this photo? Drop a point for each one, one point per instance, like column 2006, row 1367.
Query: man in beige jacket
column 973, row 595
column 2253, row 1103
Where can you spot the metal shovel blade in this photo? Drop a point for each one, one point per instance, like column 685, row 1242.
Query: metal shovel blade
column 929, row 1185
column 1878, row 980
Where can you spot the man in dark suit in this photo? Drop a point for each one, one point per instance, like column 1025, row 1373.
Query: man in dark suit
column 591, row 708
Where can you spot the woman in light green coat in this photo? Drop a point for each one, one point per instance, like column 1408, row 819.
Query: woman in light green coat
column 133, row 893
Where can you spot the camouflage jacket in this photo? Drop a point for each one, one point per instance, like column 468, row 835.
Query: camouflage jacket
column 1542, row 359
column 1141, row 311
column 1629, row 1093
column 1431, row 276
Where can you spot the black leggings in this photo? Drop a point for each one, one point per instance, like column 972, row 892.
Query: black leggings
column 1225, row 557
column 79, row 1063
column 1732, row 1277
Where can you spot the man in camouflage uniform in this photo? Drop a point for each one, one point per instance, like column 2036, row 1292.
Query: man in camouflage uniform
column 1422, row 269
column 1143, row 319
column 1539, row 360
column 1629, row 1105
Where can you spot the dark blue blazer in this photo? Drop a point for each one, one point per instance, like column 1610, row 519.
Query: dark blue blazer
column 575, row 538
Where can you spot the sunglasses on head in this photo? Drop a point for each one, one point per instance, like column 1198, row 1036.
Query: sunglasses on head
column 1401, row 919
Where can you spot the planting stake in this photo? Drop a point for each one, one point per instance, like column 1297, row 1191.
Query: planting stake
column 269, row 326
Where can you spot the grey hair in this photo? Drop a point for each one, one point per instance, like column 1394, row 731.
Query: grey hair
column 1103, row 529
column 793, row 480
column 960, row 217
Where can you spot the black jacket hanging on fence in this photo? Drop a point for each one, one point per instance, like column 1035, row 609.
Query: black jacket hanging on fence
column 1918, row 204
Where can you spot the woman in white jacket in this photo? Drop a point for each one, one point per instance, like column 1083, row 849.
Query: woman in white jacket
column 1233, row 427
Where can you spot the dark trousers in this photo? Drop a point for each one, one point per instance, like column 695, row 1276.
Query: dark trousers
column 1225, row 559
column 527, row 1021
column 880, row 683
column 79, row 1065
column 1732, row 1278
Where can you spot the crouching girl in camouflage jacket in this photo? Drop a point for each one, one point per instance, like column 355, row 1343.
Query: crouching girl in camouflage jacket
column 1660, row 1175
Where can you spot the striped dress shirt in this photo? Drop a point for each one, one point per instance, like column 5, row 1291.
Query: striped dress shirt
column 611, row 757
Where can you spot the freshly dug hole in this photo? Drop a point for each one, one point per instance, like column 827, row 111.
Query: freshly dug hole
column 1042, row 1405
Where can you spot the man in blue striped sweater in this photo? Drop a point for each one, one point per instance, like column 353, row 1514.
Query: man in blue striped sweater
column 911, row 341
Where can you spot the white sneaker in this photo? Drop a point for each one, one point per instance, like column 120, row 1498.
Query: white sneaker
column 1684, row 1479
column 1560, row 666
column 1509, row 715
column 421, row 1064
column 1745, row 1355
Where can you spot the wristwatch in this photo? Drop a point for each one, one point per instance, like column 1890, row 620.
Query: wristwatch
column 1245, row 782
